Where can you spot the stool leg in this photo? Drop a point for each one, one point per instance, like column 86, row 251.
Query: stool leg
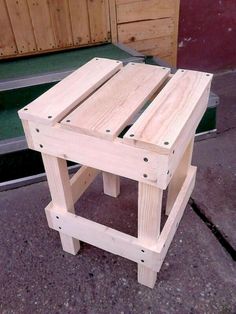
column 60, row 189
column 179, row 177
column 111, row 184
column 149, row 219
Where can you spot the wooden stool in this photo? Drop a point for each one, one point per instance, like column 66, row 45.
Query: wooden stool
column 82, row 119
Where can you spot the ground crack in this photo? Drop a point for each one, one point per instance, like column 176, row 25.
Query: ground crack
column 217, row 233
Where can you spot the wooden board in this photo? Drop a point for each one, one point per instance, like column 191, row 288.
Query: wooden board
column 53, row 105
column 79, row 21
column 142, row 30
column 165, row 119
column 7, row 40
column 144, row 10
column 59, row 12
column 108, row 110
column 41, row 20
column 21, row 24
column 99, row 20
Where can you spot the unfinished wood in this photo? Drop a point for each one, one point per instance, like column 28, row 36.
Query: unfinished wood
column 144, row 10
column 60, row 18
column 21, row 25
column 111, row 184
column 7, row 39
column 79, row 21
column 175, row 216
column 149, row 221
column 81, row 148
column 60, row 189
column 60, row 99
column 179, row 177
column 160, row 47
column 145, row 30
column 113, row 21
column 101, row 236
column 98, row 20
column 42, row 26
column 105, row 113
column 166, row 118
column 81, row 180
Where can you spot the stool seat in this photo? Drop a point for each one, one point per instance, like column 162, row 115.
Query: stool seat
column 137, row 121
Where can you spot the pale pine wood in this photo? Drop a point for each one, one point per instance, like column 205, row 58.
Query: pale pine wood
column 144, row 10
column 79, row 21
column 135, row 31
column 7, row 40
column 111, row 184
column 114, row 157
column 101, row 236
column 81, row 180
column 98, row 18
column 41, row 21
column 105, row 113
column 149, row 220
column 175, row 216
column 179, row 177
column 53, row 105
column 168, row 116
column 113, row 20
column 62, row 199
column 59, row 12
column 21, row 25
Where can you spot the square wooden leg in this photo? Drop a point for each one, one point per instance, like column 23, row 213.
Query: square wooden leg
column 60, row 188
column 111, row 184
column 149, row 219
column 179, row 177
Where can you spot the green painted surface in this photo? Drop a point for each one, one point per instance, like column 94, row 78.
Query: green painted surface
column 208, row 121
column 13, row 100
column 60, row 61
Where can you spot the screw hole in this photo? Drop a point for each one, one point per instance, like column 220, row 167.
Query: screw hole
column 59, row 227
column 142, row 260
column 163, row 68
column 49, row 117
column 108, row 131
column 67, row 120
column 131, row 135
column 145, row 159
column 37, row 130
column 182, row 70
column 173, row 152
column 25, row 109
column 142, row 251
column 168, row 171
column 57, row 217
column 145, row 175
column 166, row 143
column 41, row 145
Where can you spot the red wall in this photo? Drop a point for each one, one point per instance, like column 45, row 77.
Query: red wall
column 207, row 35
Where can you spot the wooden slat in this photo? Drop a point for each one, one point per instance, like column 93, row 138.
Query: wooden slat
column 98, row 18
column 83, row 149
column 109, row 109
column 111, row 184
column 101, row 236
column 59, row 12
column 145, row 30
column 79, row 21
column 42, row 26
column 7, row 40
column 166, row 119
column 175, row 216
column 62, row 199
column 149, row 222
column 144, row 10
column 60, row 99
column 22, row 26
column 113, row 20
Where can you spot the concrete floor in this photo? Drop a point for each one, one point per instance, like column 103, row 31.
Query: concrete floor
column 198, row 275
